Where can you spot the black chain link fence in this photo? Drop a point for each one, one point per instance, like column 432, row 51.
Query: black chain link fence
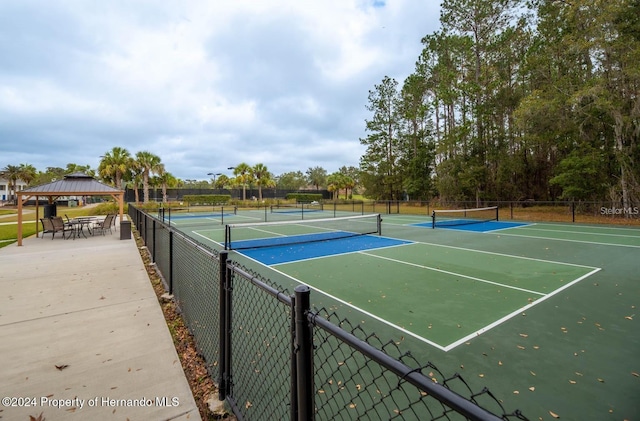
column 276, row 358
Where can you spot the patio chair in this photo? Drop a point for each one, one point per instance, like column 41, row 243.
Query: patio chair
column 104, row 225
column 60, row 226
column 47, row 227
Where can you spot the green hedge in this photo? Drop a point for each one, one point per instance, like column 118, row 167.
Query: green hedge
column 207, row 199
column 304, row 197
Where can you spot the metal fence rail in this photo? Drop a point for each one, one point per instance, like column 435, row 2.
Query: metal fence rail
column 276, row 358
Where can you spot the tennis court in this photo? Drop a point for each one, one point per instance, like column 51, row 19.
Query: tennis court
column 544, row 313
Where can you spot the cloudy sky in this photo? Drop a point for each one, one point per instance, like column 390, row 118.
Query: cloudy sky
column 203, row 84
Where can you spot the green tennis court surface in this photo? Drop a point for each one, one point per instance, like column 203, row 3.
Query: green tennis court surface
column 440, row 295
column 544, row 314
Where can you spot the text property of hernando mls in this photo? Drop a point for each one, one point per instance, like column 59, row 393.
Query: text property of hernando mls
column 98, row 401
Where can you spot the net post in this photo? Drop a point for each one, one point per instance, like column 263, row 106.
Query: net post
column 379, row 224
column 227, row 237
column 433, row 219
column 497, row 213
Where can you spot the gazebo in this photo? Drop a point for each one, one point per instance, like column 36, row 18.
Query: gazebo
column 76, row 184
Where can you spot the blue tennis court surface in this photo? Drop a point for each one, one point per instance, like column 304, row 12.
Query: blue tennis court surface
column 463, row 225
column 295, row 252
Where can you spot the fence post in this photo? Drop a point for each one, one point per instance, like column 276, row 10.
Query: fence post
column 294, row 371
column 222, row 334
column 304, row 356
column 153, row 242
column 171, row 262
column 573, row 211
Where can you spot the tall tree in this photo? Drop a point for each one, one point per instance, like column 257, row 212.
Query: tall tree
column 149, row 164
column 244, row 176
column 380, row 161
column 317, row 176
column 12, row 174
column 294, row 180
column 263, row 178
column 114, row 165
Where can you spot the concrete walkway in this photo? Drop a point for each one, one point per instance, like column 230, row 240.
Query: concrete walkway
column 82, row 336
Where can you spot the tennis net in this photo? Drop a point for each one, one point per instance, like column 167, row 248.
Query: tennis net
column 270, row 234
column 296, row 208
column 443, row 218
column 196, row 215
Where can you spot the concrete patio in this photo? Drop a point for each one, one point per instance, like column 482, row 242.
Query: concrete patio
column 82, row 335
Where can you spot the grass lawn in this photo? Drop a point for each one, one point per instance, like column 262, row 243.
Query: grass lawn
column 9, row 230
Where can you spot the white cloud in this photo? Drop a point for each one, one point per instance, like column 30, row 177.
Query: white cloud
column 203, row 84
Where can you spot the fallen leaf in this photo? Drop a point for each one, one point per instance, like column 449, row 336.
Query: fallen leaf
column 554, row 415
column 532, row 388
column 524, row 335
column 61, row 367
column 521, row 347
column 248, row 405
column 515, row 392
column 633, row 373
column 573, row 381
column 628, row 317
column 601, row 380
column 352, row 405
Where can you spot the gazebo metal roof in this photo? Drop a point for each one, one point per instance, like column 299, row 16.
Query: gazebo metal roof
column 76, row 184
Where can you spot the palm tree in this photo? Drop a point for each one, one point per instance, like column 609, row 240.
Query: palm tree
column 222, row 182
column 149, row 164
column 335, row 182
column 244, row 175
column 13, row 173
column 115, row 165
column 263, row 178
column 317, row 176
column 349, row 183
column 27, row 173
column 165, row 179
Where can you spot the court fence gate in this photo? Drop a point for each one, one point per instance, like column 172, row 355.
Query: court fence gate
column 273, row 356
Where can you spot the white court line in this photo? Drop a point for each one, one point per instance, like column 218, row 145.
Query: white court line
column 578, row 225
column 373, row 316
column 506, row 255
column 516, row 312
column 582, row 232
column 571, row 241
column 473, row 278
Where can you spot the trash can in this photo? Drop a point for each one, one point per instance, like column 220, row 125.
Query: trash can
column 125, row 230
column 50, row 210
